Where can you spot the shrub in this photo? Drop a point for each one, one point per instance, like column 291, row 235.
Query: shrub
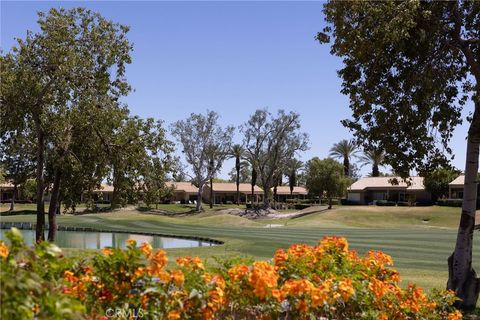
column 385, row 203
column 304, row 282
column 404, row 204
column 347, row 202
column 301, row 206
column 450, row 202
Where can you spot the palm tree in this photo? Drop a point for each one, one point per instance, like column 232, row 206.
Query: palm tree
column 293, row 166
column 345, row 150
column 237, row 153
column 375, row 157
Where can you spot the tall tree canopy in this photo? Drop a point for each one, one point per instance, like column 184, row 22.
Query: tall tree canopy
column 270, row 142
column 373, row 157
column 206, row 145
column 326, row 178
column 54, row 79
column 344, row 150
column 436, row 182
column 409, row 67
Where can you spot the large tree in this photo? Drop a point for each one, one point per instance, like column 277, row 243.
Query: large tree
column 270, row 141
column 54, row 78
column 206, row 145
column 409, row 68
column 344, row 150
column 326, row 178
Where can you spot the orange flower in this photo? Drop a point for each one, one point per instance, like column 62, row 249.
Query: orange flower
column 189, row 262
column 70, row 276
column 146, row 249
column 173, row 315
column 379, row 288
column 320, row 294
column 339, row 244
column 296, row 287
column 378, row 258
column 382, row 316
column 3, row 250
column 177, row 277
column 262, row 278
column 107, row 251
column 157, row 262
column 280, row 258
column 131, row 243
column 346, row 289
column 238, row 272
column 456, row 315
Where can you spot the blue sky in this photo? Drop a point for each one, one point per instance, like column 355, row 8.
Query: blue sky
column 230, row 57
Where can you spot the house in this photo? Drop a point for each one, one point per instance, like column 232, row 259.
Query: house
column 227, row 192
column 370, row 189
column 185, row 192
column 283, row 193
column 455, row 188
column 6, row 192
column 105, row 192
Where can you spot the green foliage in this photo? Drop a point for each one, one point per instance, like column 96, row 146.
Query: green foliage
column 385, row 203
column 436, row 182
column 29, row 189
column 30, row 283
column 326, row 178
column 406, row 73
column 450, row 202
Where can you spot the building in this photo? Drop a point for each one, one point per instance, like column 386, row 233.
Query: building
column 224, row 193
column 185, row 192
column 6, row 192
column 370, row 189
column 105, row 192
column 455, row 189
column 283, row 193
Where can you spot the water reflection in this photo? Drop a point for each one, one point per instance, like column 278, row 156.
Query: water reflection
column 98, row 240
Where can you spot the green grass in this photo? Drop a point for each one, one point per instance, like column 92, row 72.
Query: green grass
column 419, row 248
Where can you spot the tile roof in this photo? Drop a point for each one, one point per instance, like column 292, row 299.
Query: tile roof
column 187, row 187
column 286, row 190
column 232, row 187
column 384, row 183
column 459, row 181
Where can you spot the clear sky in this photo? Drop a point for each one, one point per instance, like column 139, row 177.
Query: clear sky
column 230, row 57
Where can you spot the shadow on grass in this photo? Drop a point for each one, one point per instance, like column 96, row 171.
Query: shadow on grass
column 19, row 212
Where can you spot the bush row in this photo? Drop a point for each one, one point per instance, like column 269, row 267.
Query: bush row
column 326, row 281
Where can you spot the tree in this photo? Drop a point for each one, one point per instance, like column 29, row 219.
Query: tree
column 409, row 68
column 436, row 182
column 345, row 150
column 293, row 166
column 374, row 157
column 203, row 140
column 270, row 141
column 16, row 159
column 237, row 153
column 326, row 178
column 54, row 80
column 245, row 173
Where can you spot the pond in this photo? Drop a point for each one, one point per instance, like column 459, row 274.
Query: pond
column 99, row 240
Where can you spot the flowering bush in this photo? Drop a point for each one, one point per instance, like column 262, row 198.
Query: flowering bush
column 303, row 282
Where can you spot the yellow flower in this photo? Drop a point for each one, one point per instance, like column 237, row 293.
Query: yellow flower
column 146, row 249
column 3, row 250
column 177, row 277
column 189, row 262
column 131, row 243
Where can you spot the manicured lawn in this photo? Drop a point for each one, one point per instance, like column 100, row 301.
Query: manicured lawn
column 419, row 239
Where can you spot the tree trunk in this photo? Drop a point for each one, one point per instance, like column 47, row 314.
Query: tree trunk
column 53, row 208
column 329, row 203
column 346, row 167
column 237, row 167
column 114, row 202
column 375, row 170
column 199, row 198
column 14, row 195
column 266, row 200
column 40, row 228
column 461, row 276
column 211, row 193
